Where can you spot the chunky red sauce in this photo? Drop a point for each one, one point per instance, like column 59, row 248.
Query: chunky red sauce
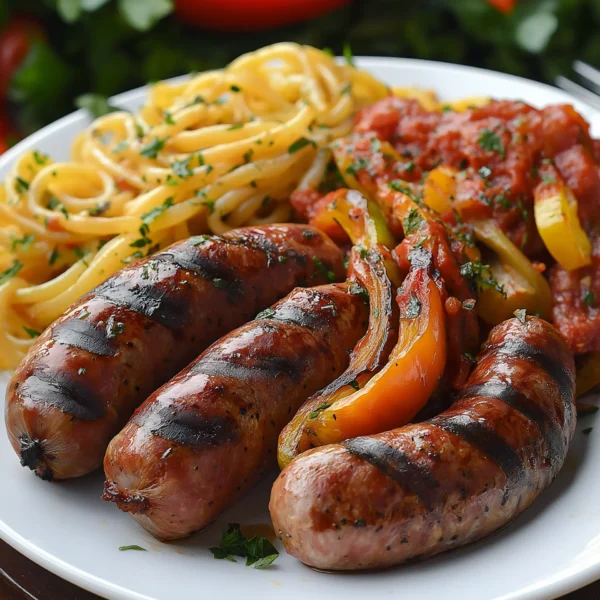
column 498, row 150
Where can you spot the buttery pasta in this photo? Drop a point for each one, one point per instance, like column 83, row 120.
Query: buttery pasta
column 223, row 149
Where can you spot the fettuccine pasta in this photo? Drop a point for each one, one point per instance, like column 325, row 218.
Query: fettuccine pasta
column 223, row 149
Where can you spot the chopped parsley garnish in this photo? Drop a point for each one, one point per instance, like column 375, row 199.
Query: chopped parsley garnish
column 400, row 186
column 491, row 141
column 265, row 314
column 354, row 385
column 281, row 259
column 412, row 222
column 21, row 186
column 356, row 288
column 152, row 148
column 308, row 234
column 82, row 371
column 413, row 309
column 210, row 204
column 181, row 168
column 348, row 55
column 141, row 243
column 470, row 357
column 521, row 314
column 375, row 145
column 346, row 88
column 502, row 200
column 476, row 272
column 114, row 329
column 484, row 172
column 524, row 211
column 25, row 242
column 258, row 550
column 54, row 257
column 235, row 126
column 100, row 209
column 360, row 165
column 120, row 146
column 300, row 143
column 409, row 167
column 322, row 268
column 315, row 413
column 39, row 157
column 588, row 297
column 132, row 547
column 247, row 156
column 32, row 333
column 169, row 118
column 80, row 254
column 235, row 88
column 219, row 283
column 11, row 272
column 153, row 214
column 198, row 240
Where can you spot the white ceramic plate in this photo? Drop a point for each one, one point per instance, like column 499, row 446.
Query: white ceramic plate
column 551, row 549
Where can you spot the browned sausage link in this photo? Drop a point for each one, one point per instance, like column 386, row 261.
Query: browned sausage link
column 88, row 372
column 380, row 500
column 202, row 439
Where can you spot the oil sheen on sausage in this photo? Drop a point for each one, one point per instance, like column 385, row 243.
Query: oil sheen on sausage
column 380, row 500
column 87, row 373
column 202, row 439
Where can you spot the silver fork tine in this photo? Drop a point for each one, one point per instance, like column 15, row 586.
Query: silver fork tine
column 578, row 91
column 589, row 73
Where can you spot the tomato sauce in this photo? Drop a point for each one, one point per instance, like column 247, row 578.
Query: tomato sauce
column 498, row 149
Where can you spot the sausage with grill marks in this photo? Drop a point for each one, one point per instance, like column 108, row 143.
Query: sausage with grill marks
column 202, row 439
column 380, row 500
column 87, row 373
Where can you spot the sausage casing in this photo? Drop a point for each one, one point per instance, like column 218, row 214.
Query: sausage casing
column 380, row 500
column 89, row 370
column 207, row 435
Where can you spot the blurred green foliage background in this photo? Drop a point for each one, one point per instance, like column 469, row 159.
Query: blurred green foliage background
column 107, row 46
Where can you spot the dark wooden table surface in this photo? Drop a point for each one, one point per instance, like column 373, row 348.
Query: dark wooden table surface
column 20, row 579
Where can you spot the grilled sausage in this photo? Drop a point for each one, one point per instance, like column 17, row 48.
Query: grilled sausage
column 87, row 373
column 201, row 440
column 380, row 500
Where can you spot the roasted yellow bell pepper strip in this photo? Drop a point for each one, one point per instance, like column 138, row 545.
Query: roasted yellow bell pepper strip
column 516, row 282
column 555, row 210
column 439, row 188
column 395, row 394
column 375, row 273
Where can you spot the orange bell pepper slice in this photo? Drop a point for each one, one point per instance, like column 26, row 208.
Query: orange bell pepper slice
column 376, row 274
column 393, row 396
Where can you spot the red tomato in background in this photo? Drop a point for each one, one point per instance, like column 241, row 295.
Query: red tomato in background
column 504, row 6
column 15, row 41
column 251, row 15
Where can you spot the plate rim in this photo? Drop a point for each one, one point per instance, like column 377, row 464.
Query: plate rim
column 549, row 588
